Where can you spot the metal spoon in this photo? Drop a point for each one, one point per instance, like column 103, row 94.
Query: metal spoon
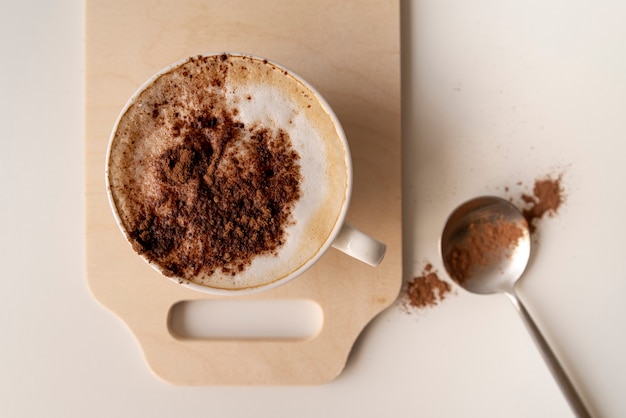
column 498, row 273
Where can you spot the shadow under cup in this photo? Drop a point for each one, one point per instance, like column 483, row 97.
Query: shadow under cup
column 230, row 174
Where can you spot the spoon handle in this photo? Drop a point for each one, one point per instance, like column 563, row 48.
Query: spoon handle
column 557, row 370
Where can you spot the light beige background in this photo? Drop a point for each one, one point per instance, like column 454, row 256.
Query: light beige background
column 495, row 92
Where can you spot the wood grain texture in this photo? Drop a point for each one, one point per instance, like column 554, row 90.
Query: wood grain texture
column 349, row 51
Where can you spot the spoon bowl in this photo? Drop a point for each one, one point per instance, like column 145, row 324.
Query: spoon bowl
column 485, row 246
column 503, row 270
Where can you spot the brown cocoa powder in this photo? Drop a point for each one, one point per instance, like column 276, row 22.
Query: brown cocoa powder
column 236, row 214
column 226, row 190
column 546, row 199
column 486, row 243
column 426, row 290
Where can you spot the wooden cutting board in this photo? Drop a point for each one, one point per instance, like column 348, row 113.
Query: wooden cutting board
column 350, row 51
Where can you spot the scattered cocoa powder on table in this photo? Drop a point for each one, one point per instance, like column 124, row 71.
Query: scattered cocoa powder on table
column 547, row 198
column 426, row 290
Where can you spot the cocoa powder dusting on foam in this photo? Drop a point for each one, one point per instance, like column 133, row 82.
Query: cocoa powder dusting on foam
column 225, row 193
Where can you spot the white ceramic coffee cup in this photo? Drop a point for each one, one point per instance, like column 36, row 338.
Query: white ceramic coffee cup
column 343, row 236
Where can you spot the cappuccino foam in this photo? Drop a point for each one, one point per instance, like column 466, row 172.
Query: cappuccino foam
column 239, row 139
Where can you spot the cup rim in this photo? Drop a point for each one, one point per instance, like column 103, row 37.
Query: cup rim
column 265, row 286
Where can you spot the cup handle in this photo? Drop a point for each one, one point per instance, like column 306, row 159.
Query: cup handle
column 359, row 245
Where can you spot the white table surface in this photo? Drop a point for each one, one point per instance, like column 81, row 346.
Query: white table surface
column 495, row 92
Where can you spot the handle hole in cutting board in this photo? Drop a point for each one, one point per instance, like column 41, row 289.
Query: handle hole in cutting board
column 293, row 319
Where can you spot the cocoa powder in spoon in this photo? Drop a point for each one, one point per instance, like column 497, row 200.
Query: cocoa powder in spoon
column 486, row 243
